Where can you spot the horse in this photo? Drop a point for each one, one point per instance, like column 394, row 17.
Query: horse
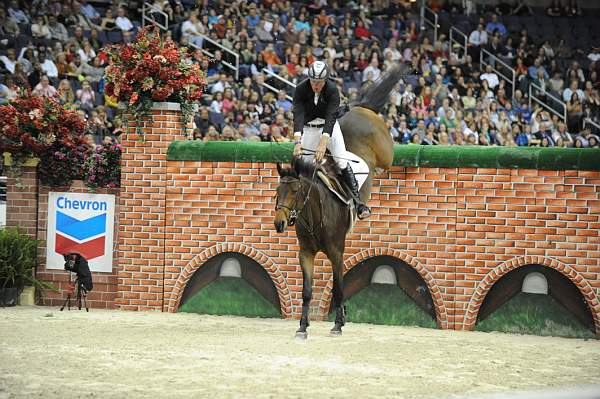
column 323, row 220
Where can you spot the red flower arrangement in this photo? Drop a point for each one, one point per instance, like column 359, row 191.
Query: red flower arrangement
column 30, row 125
column 153, row 69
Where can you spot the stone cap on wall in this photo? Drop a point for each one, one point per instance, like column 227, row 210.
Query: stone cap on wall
column 404, row 155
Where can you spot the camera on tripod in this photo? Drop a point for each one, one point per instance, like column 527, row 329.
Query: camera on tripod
column 76, row 263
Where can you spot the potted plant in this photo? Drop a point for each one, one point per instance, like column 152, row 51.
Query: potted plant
column 17, row 264
column 153, row 69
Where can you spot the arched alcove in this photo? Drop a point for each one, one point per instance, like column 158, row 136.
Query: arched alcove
column 232, row 266
column 390, row 283
column 541, row 288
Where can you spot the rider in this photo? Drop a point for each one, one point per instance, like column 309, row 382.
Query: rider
column 316, row 103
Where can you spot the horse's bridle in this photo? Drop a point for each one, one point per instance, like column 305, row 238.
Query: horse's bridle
column 294, row 210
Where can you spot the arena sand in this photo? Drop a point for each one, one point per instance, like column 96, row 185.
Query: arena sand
column 45, row 353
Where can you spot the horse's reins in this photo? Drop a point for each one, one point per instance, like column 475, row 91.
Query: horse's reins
column 310, row 152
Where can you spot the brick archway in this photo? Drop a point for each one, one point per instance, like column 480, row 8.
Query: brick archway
column 283, row 292
column 497, row 273
column 436, row 295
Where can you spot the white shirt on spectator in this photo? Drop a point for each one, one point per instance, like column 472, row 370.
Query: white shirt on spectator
column 594, row 56
column 374, row 70
column 8, row 64
column 124, row 23
column 568, row 93
column 396, row 55
column 491, row 78
column 188, row 28
column 49, row 67
column 477, row 38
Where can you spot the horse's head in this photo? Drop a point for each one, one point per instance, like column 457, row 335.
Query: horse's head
column 288, row 199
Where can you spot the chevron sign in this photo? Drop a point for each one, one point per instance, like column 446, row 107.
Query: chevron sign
column 81, row 223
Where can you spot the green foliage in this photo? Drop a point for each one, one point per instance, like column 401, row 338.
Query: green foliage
column 17, row 260
column 534, row 314
column 385, row 304
column 230, row 296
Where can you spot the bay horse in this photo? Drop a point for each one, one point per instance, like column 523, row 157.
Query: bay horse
column 322, row 219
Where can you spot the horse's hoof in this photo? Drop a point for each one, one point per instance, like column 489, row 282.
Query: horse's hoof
column 301, row 335
column 335, row 333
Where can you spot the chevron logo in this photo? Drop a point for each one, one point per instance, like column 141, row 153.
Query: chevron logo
column 86, row 237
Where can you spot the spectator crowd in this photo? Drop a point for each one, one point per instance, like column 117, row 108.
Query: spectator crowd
column 449, row 96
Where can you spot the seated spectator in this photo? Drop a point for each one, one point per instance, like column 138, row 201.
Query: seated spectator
column 17, row 14
column 491, row 77
column 573, row 88
column 44, row 88
column 9, row 60
column 282, row 101
column 65, row 93
column 39, row 30
column 109, row 23
column 86, row 97
column 494, row 25
column 122, row 21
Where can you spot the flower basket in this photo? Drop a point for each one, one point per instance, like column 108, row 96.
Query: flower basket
column 152, row 69
column 33, row 127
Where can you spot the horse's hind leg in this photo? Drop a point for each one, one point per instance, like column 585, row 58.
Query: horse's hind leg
column 338, row 294
column 307, row 262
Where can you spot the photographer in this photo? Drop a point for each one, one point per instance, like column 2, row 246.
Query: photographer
column 77, row 264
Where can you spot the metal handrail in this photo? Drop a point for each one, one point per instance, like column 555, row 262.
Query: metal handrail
column 463, row 44
column 274, row 75
column 433, row 24
column 145, row 18
column 235, row 68
column 591, row 122
column 276, row 90
column 533, row 97
column 512, row 80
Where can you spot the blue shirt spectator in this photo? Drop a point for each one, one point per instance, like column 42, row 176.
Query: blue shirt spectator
column 495, row 25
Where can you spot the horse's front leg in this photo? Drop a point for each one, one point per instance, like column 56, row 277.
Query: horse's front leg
column 307, row 263
column 338, row 293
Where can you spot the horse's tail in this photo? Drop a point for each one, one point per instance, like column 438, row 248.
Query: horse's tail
column 375, row 96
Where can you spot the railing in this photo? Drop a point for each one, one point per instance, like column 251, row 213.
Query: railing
column 273, row 88
column 145, row 17
column 233, row 66
column 459, row 38
column 431, row 19
column 588, row 121
column 533, row 96
column 508, row 74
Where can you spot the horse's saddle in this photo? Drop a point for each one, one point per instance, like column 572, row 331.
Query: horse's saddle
column 331, row 180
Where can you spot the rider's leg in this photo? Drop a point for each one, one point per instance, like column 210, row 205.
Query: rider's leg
column 310, row 141
column 337, row 148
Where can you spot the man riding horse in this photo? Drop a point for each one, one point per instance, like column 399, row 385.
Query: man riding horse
column 316, row 103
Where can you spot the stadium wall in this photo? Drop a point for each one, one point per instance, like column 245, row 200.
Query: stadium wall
column 462, row 217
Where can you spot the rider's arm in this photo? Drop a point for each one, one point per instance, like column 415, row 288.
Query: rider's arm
column 298, row 110
column 332, row 111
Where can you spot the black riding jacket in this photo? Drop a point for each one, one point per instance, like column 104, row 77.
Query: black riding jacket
column 305, row 109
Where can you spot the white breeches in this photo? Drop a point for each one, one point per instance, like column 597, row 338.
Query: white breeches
column 336, row 146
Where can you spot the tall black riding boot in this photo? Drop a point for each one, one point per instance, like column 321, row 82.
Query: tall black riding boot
column 362, row 210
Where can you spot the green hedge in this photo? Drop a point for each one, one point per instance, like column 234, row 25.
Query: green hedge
column 404, row 155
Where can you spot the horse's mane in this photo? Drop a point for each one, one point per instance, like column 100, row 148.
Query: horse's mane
column 306, row 168
column 375, row 96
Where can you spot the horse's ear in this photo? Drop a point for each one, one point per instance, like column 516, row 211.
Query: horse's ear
column 282, row 172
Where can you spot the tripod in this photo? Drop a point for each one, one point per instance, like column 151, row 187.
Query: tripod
column 80, row 294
